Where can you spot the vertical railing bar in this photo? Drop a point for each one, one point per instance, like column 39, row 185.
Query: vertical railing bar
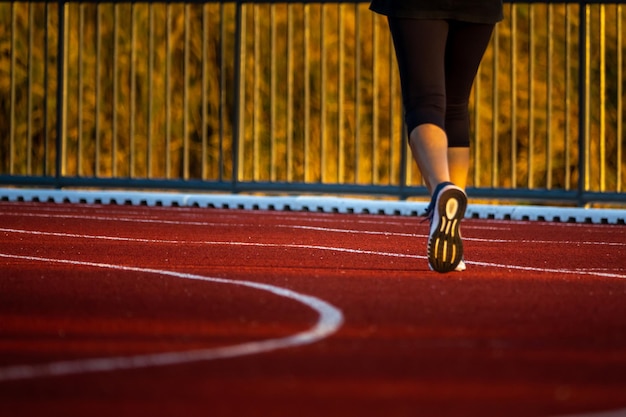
column 583, row 95
column 60, row 100
column 186, row 129
column 394, row 136
column 80, row 90
column 531, row 98
column 150, row 82
column 549, row 64
column 376, row 149
column 98, row 90
column 221, row 113
column 133, row 94
column 256, row 91
column 513, row 46
column 323, row 98
column 290, row 89
column 204, row 171
column 273, row 103
column 358, row 97
column 307, row 92
column 403, row 142
column 114, row 100
column 29, row 133
column 45, row 89
column 477, row 131
column 168, row 90
column 405, row 161
column 568, row 96
column 602, row 97
column 340, row 95
column 620, row 97
column 357, row 91
column 495, row 172
column 240, row 86
column 375, row 96
column 13, row 93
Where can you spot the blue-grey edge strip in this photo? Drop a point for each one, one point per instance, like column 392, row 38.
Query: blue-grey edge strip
column 326, row 204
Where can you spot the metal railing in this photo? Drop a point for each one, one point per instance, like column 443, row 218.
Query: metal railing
column 299, row 97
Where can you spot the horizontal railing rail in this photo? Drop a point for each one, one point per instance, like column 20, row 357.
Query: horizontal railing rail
column 299, row 97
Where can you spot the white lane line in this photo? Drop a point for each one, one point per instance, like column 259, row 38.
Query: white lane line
column 209, row 242
column 577, row 271
column 473, row 239
column 551, row 242
column 305, row 227
column 329, row 321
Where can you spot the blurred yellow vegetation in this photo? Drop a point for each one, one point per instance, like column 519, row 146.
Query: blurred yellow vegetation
column 150, row 92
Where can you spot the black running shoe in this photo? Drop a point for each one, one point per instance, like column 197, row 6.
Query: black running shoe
column 446, row 210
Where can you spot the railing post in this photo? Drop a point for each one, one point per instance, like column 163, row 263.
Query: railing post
column 583, row 104
column 239, row 91
column 60, row 97
column 405, row 159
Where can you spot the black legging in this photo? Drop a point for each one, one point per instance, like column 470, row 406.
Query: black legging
column 438, row 61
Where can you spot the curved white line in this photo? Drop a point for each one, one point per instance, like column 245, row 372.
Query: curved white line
column 329, row 321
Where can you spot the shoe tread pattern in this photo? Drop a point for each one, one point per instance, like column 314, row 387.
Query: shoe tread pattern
column 445, row 246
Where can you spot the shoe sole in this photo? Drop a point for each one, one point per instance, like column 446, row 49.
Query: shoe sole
column 445, row 246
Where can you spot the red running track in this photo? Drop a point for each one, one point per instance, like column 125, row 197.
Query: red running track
column 124, row 310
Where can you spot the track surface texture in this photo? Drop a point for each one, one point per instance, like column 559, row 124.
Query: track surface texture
column 154, row 311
